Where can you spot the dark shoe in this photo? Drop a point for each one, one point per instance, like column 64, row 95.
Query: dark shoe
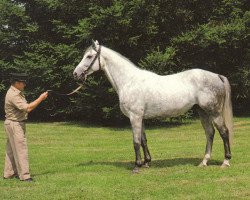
column 28, row 180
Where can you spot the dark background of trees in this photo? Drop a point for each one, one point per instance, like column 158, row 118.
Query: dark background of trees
column 47, row 38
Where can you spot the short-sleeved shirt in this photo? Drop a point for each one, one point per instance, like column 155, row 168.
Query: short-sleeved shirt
column 16, row 106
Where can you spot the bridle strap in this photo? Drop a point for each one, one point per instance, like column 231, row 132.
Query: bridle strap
column 98, row 52
column 99, row 58
column 96, row 56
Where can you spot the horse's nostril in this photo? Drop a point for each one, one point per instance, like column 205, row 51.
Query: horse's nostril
column 75, row 76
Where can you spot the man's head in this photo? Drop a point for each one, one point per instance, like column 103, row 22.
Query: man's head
column 19, row 80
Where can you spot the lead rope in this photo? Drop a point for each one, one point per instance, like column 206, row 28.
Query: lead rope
column 68, row 94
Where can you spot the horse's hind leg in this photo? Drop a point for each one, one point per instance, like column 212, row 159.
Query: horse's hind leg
column 147, row 157
column 224, row 133
column 209, row 130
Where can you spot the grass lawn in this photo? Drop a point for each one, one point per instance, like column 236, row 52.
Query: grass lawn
column 79, row 161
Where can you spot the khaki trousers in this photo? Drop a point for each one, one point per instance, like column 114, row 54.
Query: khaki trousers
column 16, row 159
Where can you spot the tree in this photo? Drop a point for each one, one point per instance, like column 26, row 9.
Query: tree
column 47, row 38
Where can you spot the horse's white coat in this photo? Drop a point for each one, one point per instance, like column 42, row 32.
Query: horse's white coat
column 144, row 94
column 150, row 95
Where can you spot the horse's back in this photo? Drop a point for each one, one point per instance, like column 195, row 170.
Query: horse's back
column 179, row 92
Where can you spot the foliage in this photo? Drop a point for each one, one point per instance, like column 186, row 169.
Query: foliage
column 47, row 39
column 162, row 62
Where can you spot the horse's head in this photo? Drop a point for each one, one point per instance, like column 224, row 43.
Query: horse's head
column 90, row 62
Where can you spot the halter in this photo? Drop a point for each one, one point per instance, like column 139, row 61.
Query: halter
column 93, row 61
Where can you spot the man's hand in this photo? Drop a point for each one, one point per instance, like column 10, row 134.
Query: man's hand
column 44, row 96
column 34, row 104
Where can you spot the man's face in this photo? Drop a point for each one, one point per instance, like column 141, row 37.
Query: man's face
column 20, row 85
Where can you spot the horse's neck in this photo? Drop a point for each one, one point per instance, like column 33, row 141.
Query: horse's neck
column 118, row 69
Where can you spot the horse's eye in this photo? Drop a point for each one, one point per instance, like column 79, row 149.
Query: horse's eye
column 89, row 56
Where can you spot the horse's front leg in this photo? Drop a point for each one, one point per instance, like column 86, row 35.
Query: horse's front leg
column 136, row 123
column 147, row 157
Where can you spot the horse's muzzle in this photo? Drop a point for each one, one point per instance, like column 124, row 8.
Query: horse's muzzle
column 75, row 76
column 82, row 76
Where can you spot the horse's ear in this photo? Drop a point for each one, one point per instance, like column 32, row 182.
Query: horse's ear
column 93, row 44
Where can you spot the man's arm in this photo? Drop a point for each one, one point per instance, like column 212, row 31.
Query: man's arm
column 34, row 104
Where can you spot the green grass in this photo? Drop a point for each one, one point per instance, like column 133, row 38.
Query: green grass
column 77, row 161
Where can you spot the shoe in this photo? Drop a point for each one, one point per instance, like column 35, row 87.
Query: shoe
column 28, row 180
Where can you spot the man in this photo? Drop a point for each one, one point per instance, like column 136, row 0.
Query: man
column 16, row 110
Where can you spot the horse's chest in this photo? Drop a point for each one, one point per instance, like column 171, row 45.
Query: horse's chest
column 132, row 105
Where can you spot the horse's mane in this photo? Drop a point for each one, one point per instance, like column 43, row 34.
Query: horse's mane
column 114, row 52
column 123, row 57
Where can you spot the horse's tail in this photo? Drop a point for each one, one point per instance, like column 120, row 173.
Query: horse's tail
column 227, row 108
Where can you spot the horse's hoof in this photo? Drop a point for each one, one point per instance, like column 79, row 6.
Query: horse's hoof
column 224, row 165
column 145, row 165
column 135, row 170
column 202, row 165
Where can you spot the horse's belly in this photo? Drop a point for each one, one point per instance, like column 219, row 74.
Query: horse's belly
column 152, row 102
column 167, row 108
column 152, row 113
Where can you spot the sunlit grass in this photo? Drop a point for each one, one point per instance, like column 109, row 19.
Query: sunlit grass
column 79, row 161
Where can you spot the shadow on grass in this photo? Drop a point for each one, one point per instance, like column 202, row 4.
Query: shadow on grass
column 42, row 174
column 166, row 163
column 155, row 163
column 149, row 124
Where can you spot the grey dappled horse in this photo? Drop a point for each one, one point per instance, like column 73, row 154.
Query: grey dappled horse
column 144, row 94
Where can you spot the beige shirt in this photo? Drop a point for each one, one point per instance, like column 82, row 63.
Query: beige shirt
column 15, row 105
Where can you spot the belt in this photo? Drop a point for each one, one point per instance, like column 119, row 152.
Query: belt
column 17, row 120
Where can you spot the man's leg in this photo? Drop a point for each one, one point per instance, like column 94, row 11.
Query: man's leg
column 21, row 149
column 10, row 169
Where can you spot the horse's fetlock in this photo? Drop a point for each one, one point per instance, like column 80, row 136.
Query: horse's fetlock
column 138, row 163
column 147, row 160
column 228, row 156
